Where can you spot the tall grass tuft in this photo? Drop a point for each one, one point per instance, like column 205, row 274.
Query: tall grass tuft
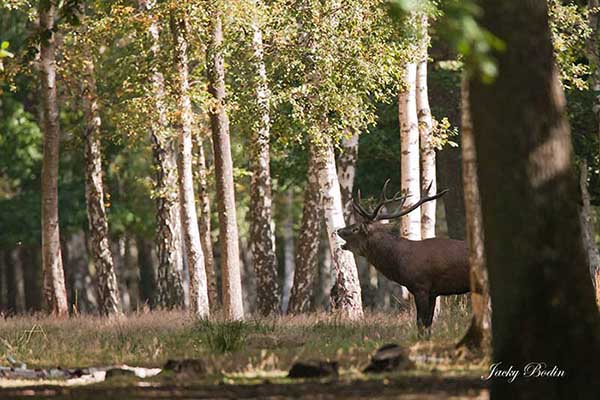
column 229, row 336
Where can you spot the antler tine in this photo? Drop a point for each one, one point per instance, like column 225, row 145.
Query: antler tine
column 359, row 208
column 383, row 197
column 414, row 206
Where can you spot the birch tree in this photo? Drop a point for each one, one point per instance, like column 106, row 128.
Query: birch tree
column 288, row 250
column 55, row 294
column 428, row 176
column 168, row 224
column 194, row 253
column 410, row 224
column 205, row 226
column 478, row 336
column 261, row 233
column 228, row 230
column 347, row 295
column 99, row 245
column 307, row 249
column 587, row 226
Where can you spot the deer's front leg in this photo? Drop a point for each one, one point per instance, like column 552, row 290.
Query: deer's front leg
column 422, row 301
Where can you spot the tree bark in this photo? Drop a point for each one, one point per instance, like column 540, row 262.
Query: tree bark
column 168, row 224
column 288, row 250
column 544, row 308
column 191, row 234
column 428, row 175
column 346, row 167
column 205, row 227
column 478, row 336
column 587, row 226
column 262, row 239
column 593, row 55
column 347, row 296
column 108, row 291
column 307, row 249
column 55, row 293
column 410, row 224
column 228, row 230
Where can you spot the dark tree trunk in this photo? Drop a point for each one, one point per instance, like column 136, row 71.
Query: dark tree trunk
column 228, row 230
column 544, row 308
column 478, row 336
column 11, row 283
column 147, row 271
column 32, row 278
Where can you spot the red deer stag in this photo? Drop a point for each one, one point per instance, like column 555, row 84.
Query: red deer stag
column 428, row 268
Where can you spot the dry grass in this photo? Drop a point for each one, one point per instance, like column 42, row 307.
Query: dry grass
column 265, row 344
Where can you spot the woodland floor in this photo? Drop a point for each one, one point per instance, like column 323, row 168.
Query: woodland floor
column 244, row 360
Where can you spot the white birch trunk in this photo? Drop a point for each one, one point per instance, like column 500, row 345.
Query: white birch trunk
column 410, row 224
column 348, row 296
column 288, row 250
column 427, row 150
column 262, row 237
column 189, row 217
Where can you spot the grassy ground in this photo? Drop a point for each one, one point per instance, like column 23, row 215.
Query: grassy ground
column 235, row 353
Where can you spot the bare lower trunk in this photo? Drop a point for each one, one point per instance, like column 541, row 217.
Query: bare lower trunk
column 55, row 293
column 409, row 158
column 228, row 230
column 288, row 250
column 347, row 296
column 194, row 255
column 168, row 235
column 205, row 228
column 478, row 336
column 108, row 291
column 306, row 258
column 262, row 239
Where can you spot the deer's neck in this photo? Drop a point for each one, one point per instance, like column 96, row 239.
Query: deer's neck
column 389, row 254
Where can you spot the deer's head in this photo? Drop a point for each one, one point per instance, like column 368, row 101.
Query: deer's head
column 356, row 235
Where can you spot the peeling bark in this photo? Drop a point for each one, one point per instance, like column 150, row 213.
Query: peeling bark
column 55, row 293
column 262, row 238
column 347, row 296
column 193, row 249
column 228, row 230
column 307, row 249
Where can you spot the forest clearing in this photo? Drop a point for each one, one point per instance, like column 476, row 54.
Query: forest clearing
column 299, row 199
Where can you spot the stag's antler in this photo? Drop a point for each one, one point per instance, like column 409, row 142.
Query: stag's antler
column 377, row 215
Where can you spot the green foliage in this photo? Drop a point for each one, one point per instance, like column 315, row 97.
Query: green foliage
column 229, row 336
